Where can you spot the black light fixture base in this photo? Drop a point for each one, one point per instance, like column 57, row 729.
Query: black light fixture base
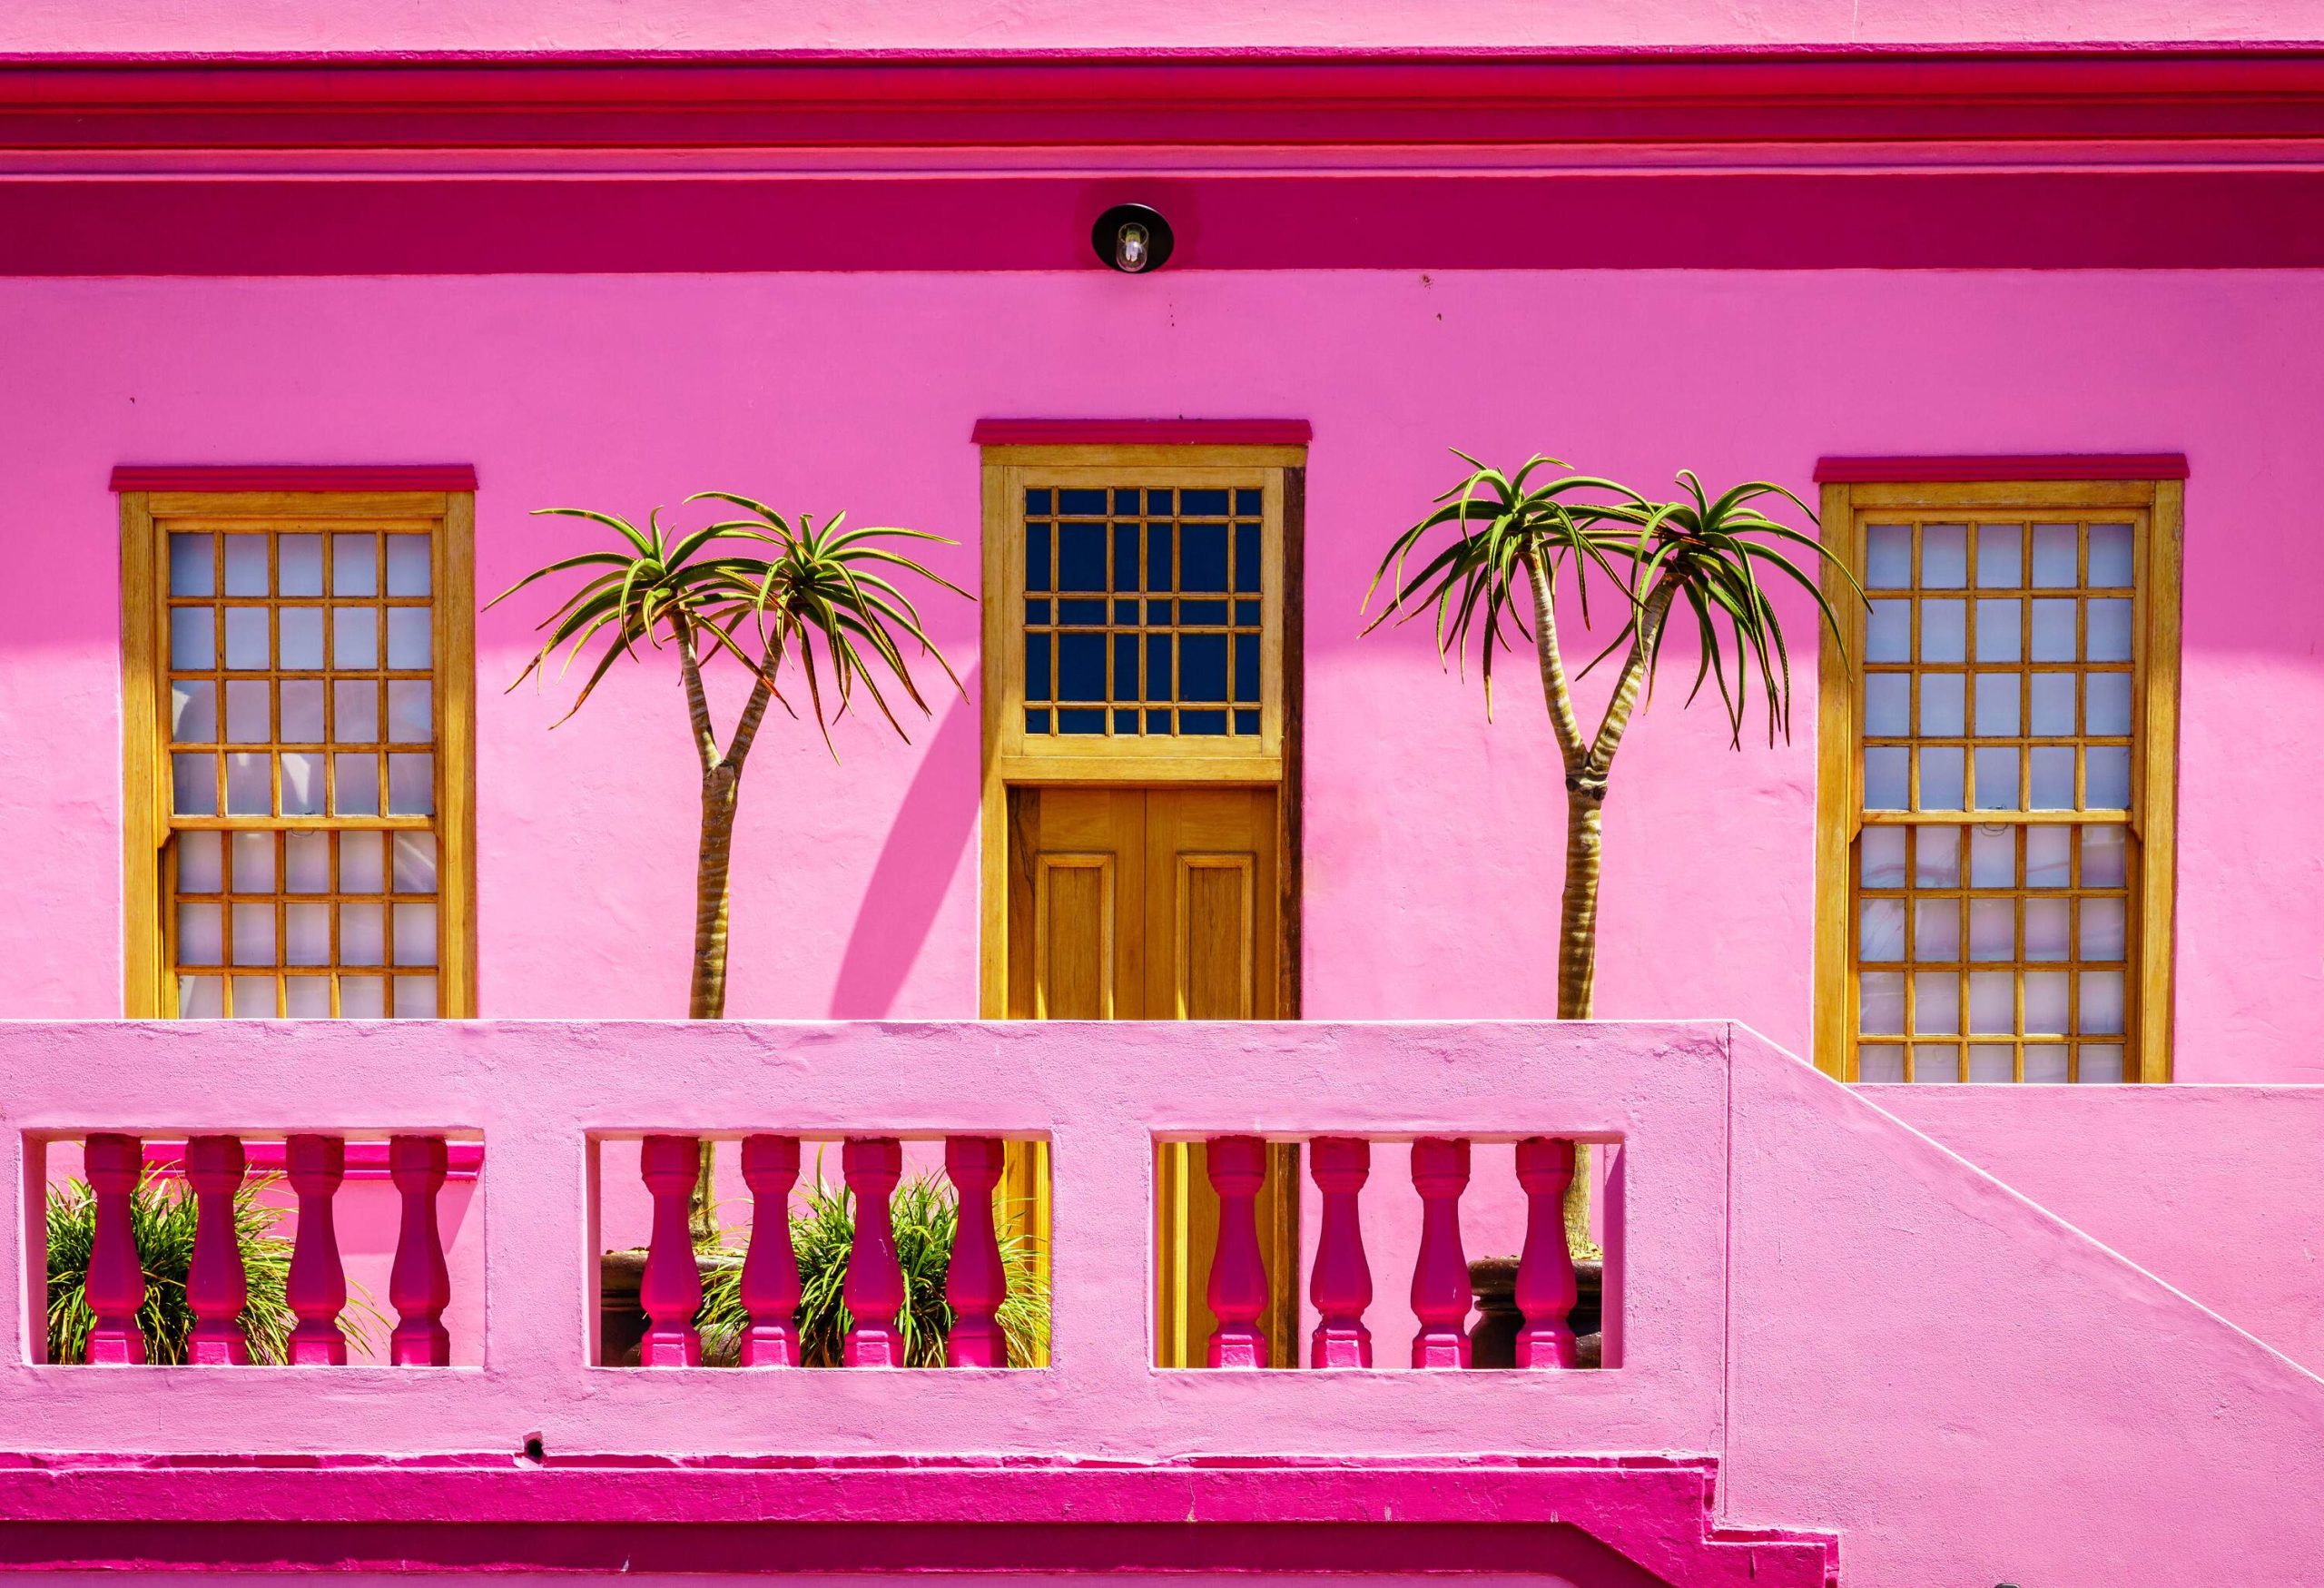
column 1105, row 238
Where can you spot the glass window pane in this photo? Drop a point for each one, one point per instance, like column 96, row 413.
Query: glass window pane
column 1884, row 779
column 415, row 935
column 302, row 783
column 2045, row 1065
column 193, row 711
column 201, row 863
column 2106, row 774
column 2046, row 1002
column 1997, row 778
column 1880, row 1063
column 306, row 934
column 302, row 710
column 202, row 934
column 355, row 637
column 200, row 997
column 246, row 565
column 2000, row 555
column 254, row 936
column 306, row 863
column 2109, row 630
column 1945, row 556
column 2046, row 931
column 249, row 712
column 362, row 863
column 1990, row 1062
column 1993, row 929
column 2000, row 627
column 2056, row 556
column 414, row 862
column 1935, row 1065
column 1888, row 556
column 1887, row 632
column 410, row 711
column 2098, row 1064
column 248, row 647
column 354, row 565
column 411, row 785
column 1941, row 776
column 1937, row 1002
column 1993, row 857
column 253, row 857
column 1937, row 858
column 1944, row 630
column 2053, row 696
column 1996, row 703
column 1883, row 862
column 1880, row 1002
column 1936, row 930
column 1887, row 705
column 2106, row 697
column 299, row 564
column 363, row 934
column 302, row 638
column 1880, row 929
column 363, row 998
column 2048, row 852
column 355, row 712
column 2054, row 636
column 1944, row 709
column 2053, row 777
column 414, row 998
column 192, row 570
column 2110, row 556
column 407, row 570
column 250, row 783
column 408, row 629
column 2102, row 929
column 307, row 997
column 2101, row 1002
column 194, row 643
column 2103, row 857
column 355, row 785
column 254, row 997
column 1992, row 1002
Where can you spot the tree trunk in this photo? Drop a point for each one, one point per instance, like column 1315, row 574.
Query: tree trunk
column 722, row 787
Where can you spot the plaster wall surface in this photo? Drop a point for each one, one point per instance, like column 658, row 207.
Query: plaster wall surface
column 1432, row 839
column 75, row 25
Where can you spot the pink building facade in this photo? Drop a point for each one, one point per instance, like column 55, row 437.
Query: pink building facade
column 606, row 256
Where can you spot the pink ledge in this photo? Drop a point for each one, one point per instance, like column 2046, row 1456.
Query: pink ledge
column 1632, row 1520
column 1142, row 432
column 366, row 1161
column 226, row 476
column 1955, row 468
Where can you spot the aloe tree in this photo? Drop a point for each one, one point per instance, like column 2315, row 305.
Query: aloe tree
column 768, row 594
column 1499, row 547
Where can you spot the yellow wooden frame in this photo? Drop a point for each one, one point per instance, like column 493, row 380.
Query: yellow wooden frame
column 2153, row 817
column 147, row 992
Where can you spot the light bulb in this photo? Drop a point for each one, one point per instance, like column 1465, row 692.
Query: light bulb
column 1130, row 247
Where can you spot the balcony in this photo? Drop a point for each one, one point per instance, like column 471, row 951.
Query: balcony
column 1787, row 1269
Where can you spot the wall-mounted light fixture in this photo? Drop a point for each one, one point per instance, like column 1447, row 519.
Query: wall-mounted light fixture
column 1132, row 239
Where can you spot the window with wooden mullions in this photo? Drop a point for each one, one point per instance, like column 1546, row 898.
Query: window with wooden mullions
column 306, row 653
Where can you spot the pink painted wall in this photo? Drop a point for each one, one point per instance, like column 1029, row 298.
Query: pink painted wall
column 739, row 25
column 1431, row 863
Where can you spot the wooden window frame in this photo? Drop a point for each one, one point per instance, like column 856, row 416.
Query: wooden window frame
column 149, row 499
column 2150, row 485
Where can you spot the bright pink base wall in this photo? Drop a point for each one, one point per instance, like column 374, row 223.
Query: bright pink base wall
column 1432, row 863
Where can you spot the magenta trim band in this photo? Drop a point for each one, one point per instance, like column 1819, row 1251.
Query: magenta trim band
column 236, row 477
column 1958, row 469
column 366, row 1161
column 1142, row 432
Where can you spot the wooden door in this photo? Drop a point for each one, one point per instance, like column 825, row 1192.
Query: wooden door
column 1160, row 904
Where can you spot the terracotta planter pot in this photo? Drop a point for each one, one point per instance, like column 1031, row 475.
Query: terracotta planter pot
column 1492, row 1342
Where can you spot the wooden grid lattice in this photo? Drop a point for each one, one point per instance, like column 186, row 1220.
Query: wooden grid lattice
column 1992, row 887
column 303, row 744
column 1144, row 612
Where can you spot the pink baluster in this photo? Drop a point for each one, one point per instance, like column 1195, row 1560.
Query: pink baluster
column 770, row 1283
column 1545, row 1283
column 1237, row 1292
column 1341, row 1283
column 1440, row 1295
column 316, row 1288
column 976, row 1284
column 418, row 1284
column 874, row 1291
column 215, row 1289
column 671, row 1288
column 114, row 1288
